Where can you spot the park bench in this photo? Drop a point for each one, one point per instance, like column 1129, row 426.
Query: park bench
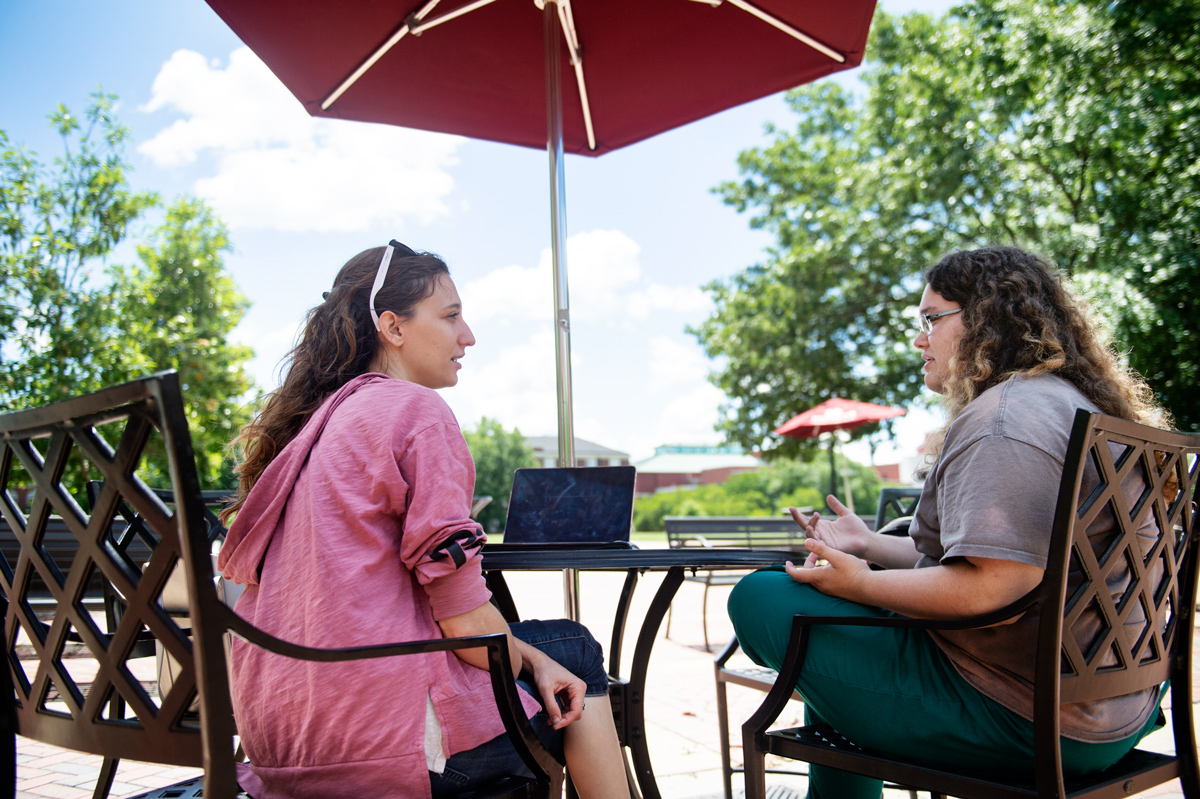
column 99, row 707
column 60, row 546
column 742, row 532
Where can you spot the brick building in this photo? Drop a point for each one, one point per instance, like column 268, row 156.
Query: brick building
column 675, row 465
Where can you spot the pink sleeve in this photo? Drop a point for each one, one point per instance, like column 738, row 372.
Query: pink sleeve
column 440, row 544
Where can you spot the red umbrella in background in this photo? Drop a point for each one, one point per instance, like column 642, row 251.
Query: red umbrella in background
column 829, row 417
column 491, row 69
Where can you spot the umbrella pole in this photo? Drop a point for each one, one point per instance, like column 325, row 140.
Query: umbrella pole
column 832, row 464
column 558, row 258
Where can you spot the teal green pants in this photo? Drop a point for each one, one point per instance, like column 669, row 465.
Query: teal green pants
column 892, row 691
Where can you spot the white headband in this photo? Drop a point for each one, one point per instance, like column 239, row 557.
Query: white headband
column 381, row 274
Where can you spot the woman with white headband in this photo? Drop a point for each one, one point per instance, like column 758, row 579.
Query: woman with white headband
column 351, row 527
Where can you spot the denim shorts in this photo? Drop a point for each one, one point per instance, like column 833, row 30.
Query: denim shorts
column 573, row 647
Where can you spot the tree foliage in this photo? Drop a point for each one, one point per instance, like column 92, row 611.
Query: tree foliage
column 54, row 223
column 497, row 453
column 1068, row 126
column 68, row 327
column 178, row 309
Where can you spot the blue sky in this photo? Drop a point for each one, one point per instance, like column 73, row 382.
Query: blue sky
column 302, row 195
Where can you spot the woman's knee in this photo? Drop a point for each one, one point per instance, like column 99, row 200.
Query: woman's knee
column 763, row 604
column 569, row 644
column 769, row 596
column 761, row 610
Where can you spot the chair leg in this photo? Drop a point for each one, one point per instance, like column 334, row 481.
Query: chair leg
column 723, row 732
column 108, row 769
column 755, row 769
column 108, row 772
column 704, row 617
column 667, row 634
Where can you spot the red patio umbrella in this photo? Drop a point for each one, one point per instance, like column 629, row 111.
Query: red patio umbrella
column 482, row 68
column 490, row 69
column 833, row 415
column 477, row 67
column 836, row 414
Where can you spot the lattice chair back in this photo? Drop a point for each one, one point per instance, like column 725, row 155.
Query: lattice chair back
column 1128, row 598
column 119, row 436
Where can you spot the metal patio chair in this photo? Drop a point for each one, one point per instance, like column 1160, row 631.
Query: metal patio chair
column 108, row 435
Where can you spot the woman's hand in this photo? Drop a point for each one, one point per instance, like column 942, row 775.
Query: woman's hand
column 847, row 533
column 554, row 682
column 840, row 576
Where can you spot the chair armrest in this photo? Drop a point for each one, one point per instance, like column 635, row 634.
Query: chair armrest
column 727, row 653
column 793, row 663
column 504, row 685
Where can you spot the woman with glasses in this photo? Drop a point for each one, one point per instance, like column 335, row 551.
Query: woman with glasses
column 1013, row 355
column 351, row 527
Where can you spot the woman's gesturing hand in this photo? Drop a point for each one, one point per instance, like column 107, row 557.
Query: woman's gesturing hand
column 847, row 533
column 839, row 576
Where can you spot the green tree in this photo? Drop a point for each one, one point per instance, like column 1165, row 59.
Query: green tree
column 497, row 453
column 54, row 223
column 1072, row 127
column 178, row 309
column 67, row 327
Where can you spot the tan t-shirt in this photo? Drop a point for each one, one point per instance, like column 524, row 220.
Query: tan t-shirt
column 992, row 494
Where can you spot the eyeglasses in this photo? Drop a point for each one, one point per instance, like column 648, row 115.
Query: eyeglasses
column 926, row 319
column 381, row 275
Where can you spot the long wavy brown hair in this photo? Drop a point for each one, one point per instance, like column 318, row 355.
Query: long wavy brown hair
column 1019, row 318
column 338, row 343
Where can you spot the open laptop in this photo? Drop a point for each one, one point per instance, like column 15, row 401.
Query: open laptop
column 571, row 505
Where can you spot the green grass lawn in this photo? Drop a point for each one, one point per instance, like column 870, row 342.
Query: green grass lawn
column 649, row 535
column 639, row 537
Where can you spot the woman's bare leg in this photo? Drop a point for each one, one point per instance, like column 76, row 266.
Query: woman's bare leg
column 594, row 758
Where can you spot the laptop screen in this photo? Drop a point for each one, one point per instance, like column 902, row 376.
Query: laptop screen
column 571, row 505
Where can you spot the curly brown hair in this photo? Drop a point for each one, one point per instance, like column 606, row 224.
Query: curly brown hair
column 1019, row 318
column 339, row 342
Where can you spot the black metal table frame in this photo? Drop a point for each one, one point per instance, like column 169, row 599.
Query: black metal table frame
column 627, row 695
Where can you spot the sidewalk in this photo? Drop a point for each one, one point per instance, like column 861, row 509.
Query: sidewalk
column 680, row 702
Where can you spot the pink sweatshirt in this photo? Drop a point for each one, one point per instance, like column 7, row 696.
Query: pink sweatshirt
column 360, row 527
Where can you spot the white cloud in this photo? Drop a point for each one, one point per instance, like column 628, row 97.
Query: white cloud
column 690, row 417
column 515, row 385
column 657, row 297
column 673, row 363
column 279, row 168
column 509, row 293
column 603, row 273
column 602, row 265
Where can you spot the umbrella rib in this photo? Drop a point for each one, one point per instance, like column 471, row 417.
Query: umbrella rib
column 415, row 23
column 458, row 12
column 572, row 37
column 789, row 30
